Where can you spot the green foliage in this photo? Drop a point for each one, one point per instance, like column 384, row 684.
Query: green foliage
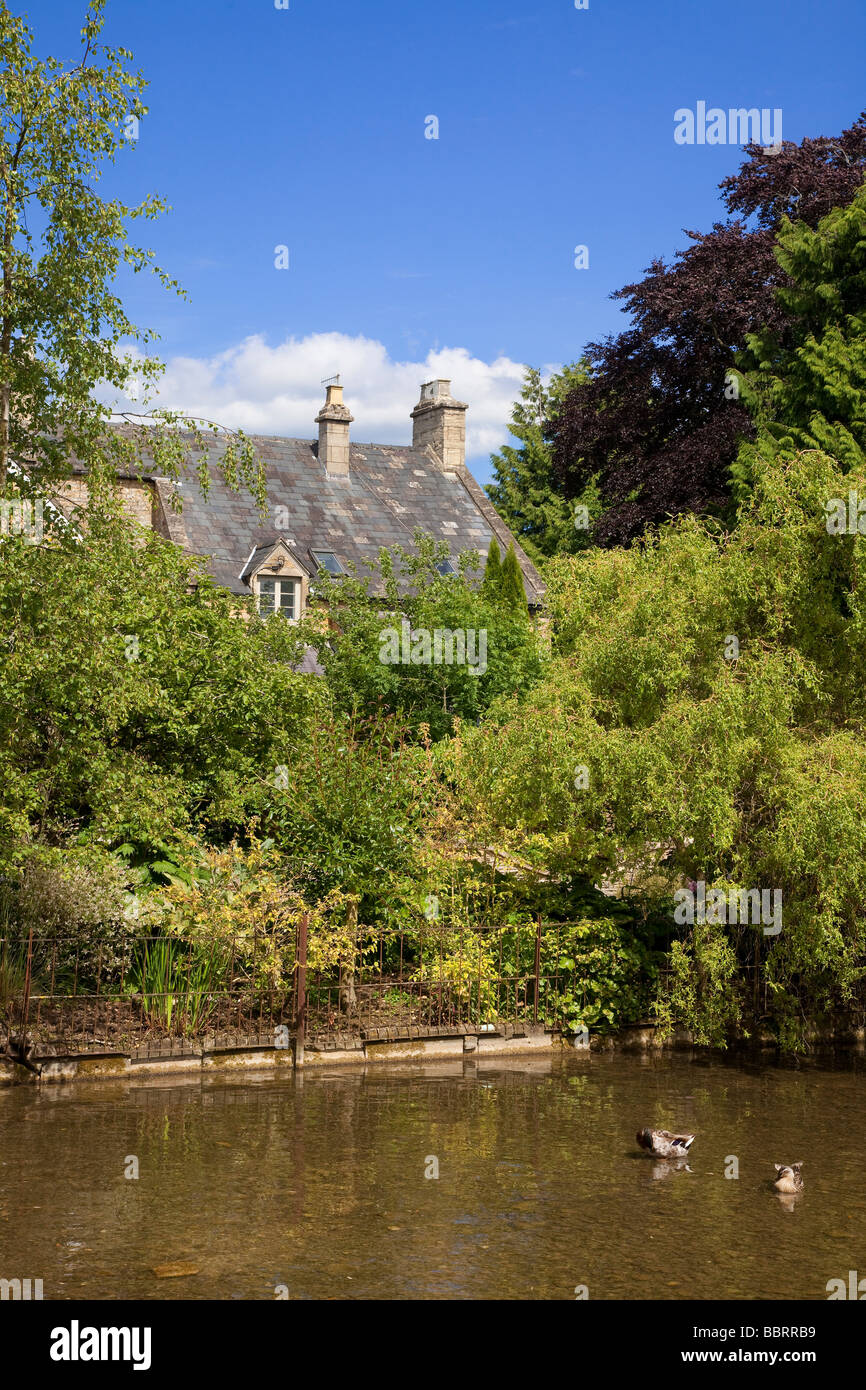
column 502, row 585
column 178, row 983
column 351, row 812
column 135, row 700
column 808, row 390
column 648, row 753
column 512, row 595
column 363, row 656
column 702, row 992
column 13, row 970
column 72, row 905
column 741, row 769
column 491, row 583
column 525, row 492
column 602, row 973
column 594, row 973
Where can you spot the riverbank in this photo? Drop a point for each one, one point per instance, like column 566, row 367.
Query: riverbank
column 178, row 1057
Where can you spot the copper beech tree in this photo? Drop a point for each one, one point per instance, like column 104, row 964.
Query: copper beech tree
column 657, row 422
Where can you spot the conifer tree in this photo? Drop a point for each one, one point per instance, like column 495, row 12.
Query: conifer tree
column 491, row 584
column 511, row 592
column 531, row 503
column 807, row 390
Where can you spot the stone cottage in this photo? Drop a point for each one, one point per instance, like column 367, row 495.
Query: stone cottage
column 332, row 503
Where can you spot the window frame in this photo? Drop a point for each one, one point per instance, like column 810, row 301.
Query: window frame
column 319, row 566
column 278, row 580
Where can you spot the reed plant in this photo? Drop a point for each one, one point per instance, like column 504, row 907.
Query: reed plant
column 179, row 983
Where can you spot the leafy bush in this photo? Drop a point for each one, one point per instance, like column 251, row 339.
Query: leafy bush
column 702, row 992
column 77, row 904
column 740, row 764
column 599, row 975
column 135, row 701
column 409, row 587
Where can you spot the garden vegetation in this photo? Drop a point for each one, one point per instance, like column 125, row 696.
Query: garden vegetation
column 689, row 707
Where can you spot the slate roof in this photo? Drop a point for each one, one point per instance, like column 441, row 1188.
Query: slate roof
column 390, row 491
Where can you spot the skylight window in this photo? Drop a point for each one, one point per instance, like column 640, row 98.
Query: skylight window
column 446, row 567
column 327, row 560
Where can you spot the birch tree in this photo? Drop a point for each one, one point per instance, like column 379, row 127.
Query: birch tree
column 64, row 333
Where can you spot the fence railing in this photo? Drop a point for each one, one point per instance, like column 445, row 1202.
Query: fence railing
column 156, row 995
column 76, row 994
column 441, row 979
column 122, row 993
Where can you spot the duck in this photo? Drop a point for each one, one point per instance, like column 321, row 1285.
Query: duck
column 662, row 1144
column 19, row 1048
column 789, row 1179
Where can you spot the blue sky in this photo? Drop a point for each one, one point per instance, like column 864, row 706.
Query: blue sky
column 411, row 257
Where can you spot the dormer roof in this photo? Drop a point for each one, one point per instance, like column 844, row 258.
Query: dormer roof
column 266, row 552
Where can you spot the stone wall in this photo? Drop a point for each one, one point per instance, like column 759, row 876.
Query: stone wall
column 175, row 1057
column 138, row 498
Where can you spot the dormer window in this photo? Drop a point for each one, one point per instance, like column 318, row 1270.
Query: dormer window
column 327, row 560
column 278, row 594
column 279, row 578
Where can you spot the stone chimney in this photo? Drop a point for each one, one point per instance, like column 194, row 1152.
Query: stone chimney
column 334, row 420
column 439, row 424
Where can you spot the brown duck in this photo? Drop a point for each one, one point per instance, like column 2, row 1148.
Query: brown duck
column 662, row 1144
column 789, row 1179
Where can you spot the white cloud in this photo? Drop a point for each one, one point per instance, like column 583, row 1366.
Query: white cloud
column 277, row 390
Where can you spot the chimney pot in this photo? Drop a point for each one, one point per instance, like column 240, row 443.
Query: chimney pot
column 439, row 424
column 334, row 420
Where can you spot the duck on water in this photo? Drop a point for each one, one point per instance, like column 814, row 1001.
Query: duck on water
column 789, row 1178
column 661, row 1143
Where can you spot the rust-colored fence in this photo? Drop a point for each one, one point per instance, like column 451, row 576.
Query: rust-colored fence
column 129, row 993
column 438, row 979
column 158, row 994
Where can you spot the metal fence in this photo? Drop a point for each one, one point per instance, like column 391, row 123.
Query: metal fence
column 158, row 996
column 128, row 993
column 441, row 979
column 146, row 992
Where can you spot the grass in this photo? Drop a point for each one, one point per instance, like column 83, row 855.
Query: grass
column 13, row 970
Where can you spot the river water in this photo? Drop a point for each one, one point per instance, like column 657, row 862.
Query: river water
column 324, row 1186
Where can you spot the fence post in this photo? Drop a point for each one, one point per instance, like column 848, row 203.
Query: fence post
column 537, row 965
column 301, row 990
column 28, row 980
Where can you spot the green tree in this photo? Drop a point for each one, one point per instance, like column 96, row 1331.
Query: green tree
column 352, row 809
column 657, row 750
column 381, row 654
column 492, row 581
column 807, row 389
column 135, row 701
column 350, row 819
column 525, row 492
column 512, row 594
column 62, row 249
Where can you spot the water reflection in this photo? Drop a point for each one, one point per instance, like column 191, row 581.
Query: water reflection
column 664, row 1167
column 323, row 1183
